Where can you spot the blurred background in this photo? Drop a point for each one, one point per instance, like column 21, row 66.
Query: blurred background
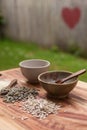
column 51, row 29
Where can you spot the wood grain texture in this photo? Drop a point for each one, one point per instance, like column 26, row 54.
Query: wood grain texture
column 72, row 115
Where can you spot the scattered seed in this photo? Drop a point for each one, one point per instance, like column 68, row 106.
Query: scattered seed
column 13, row 117
column 24, row 118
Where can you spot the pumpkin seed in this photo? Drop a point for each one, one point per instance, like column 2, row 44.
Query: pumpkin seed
column 17, row 94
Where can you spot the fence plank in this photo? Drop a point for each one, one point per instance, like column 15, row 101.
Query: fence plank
column 41, row 21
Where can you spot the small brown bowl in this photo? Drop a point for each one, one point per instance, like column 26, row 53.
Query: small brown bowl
column 47, row 81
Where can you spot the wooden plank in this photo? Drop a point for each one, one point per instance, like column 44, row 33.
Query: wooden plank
column 42, row 22
column 72, row 115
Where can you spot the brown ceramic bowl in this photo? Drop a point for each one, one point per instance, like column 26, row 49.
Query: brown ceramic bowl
column 32, row 68
column 47, row 81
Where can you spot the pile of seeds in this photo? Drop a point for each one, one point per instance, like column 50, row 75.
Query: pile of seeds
column 16, row 94
column 32, row 104
column 39, row 107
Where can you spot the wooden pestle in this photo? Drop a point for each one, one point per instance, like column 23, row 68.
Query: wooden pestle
column 71, row 76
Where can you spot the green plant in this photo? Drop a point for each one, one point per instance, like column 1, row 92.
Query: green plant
column 75, row 49
column 2, row 25
column 2, row 20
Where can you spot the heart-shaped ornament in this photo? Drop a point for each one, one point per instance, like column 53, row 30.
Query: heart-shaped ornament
column 71, row 16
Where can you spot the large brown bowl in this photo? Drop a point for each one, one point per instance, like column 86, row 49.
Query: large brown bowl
column 47, row 81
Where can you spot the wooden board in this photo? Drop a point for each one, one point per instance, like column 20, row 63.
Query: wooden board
column 72, row 115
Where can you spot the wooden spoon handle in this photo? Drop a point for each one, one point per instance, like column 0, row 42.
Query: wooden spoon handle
column 12, row 83
column 72, row 76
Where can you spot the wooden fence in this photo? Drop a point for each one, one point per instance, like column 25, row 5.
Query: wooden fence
column 63, row 22
column 28, row 20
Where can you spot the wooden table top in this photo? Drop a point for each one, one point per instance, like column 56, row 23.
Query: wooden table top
column 72, row 115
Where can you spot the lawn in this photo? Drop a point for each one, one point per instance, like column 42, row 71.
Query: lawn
column 11, row 53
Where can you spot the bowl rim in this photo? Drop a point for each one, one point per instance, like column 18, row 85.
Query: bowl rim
column 25, row 66
column 40, row 80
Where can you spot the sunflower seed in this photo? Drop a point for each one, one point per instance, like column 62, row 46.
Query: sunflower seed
column 40, row 108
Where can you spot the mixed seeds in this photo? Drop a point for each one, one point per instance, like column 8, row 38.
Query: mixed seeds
column 32, row 103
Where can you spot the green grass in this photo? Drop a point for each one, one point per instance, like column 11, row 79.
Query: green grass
column 11, row 53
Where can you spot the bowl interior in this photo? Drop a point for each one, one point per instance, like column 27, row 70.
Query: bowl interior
column 51, row 77
column 34, row 63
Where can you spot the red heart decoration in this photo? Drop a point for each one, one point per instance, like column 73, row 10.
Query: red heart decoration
column 71, row 16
